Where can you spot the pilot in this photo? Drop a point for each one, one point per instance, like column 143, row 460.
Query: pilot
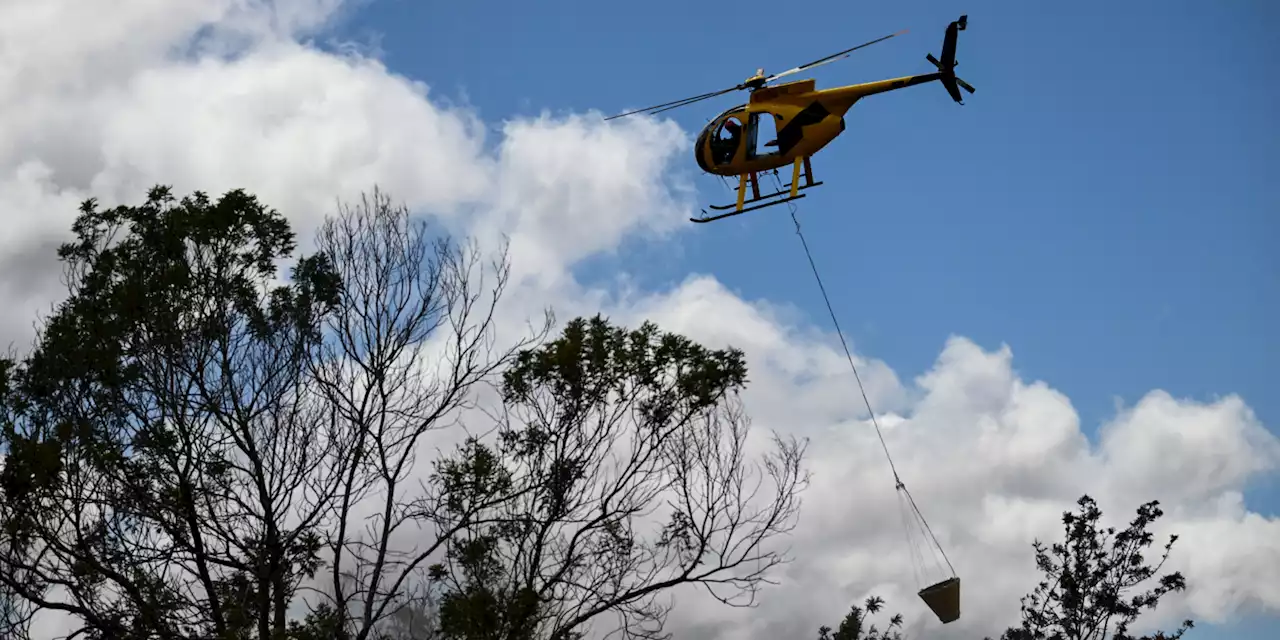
column 727, row 146
column 735, row 133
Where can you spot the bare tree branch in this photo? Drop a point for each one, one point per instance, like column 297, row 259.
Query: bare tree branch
column 411, row 339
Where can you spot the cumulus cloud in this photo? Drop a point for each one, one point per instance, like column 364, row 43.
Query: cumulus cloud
column 993, row 461
column 570, row 188
column 104, row 102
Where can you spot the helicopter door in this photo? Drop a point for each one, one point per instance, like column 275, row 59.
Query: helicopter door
column 724, row 146
column 764, row 135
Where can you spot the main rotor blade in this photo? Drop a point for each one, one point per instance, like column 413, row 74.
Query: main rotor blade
column 675, row 104
column 965, row 85
column 667, row 106
column 831, row 58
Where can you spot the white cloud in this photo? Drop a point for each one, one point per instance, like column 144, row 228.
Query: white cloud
column 105, row 102
column 993, row 461
column 570, row 188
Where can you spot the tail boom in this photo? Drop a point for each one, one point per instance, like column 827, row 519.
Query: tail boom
column 840, row 99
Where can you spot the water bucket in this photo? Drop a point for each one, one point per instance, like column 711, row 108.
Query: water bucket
column 943, row 599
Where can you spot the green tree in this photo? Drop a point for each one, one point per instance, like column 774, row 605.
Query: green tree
column 626, row 471
column 1088, row 579
column 855, row 624
column 15, row 611
column 166, row 471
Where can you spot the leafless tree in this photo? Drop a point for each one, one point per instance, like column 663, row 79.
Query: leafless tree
column 416, row 619
column 405, row 350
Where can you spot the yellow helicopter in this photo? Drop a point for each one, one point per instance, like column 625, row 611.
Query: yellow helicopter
column 796, row 119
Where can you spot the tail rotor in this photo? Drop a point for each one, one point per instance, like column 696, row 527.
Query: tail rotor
column 947, row 66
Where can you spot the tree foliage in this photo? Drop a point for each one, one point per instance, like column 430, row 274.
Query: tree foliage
column 856, row 624
column 1090, row 577
column 162, row 452
column 626, row 460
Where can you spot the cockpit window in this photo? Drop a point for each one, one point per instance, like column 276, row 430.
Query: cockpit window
column 738, row 109
column 727, row 139
column 764, row 134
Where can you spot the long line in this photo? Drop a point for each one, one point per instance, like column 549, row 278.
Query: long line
column 861, row 389
column 847, row 353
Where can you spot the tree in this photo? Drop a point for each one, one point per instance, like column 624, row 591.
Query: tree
column 167, row 469
column 202, row 441
column 411, row 337
column 853, row 627
column 1088, row 576
column 416, row 619
column 194, row 446
column 619, row 471
column 15, row 615
column 15, row 612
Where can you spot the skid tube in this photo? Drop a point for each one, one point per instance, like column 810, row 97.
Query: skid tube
column 792, row 191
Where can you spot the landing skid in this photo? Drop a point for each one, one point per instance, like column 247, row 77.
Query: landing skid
column 722, row 216
column 785, row 189
column 791, row 191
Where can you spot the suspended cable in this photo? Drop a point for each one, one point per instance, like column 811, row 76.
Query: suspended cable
column 913, row 553
column 899, row 485
column 847, row 354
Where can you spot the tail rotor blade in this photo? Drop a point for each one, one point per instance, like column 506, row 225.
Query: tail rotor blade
column 950, row 83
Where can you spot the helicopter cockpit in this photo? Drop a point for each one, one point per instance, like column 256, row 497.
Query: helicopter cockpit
column 724, row 134
column 727, row 132
column 726, row 141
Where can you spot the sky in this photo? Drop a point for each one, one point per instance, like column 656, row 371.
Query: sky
column 1063, row 286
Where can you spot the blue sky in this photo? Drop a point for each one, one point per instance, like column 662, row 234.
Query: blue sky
column 1101, row 204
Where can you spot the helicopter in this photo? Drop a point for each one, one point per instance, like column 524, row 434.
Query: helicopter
column 803, row 120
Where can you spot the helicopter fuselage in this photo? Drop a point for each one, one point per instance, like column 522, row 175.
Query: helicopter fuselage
column 783, row 122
